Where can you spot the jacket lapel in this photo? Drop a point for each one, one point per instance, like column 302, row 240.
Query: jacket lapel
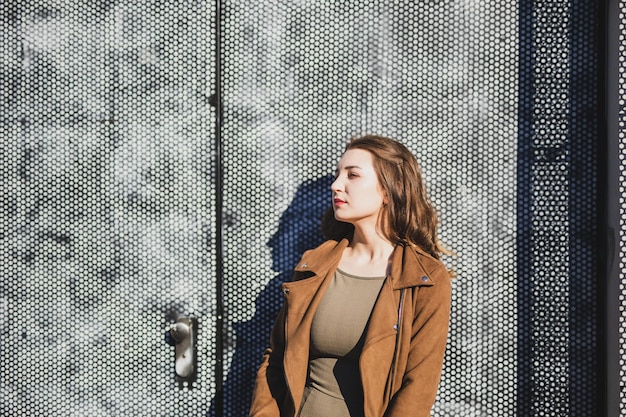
column 302, row 298
column 378, row 349
column 380, row 338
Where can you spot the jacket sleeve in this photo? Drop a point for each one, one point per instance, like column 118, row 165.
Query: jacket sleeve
column 270, row 387
column 424, row 361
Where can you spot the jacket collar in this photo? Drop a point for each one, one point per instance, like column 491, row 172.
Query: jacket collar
column 322, row 258
column 410, row 266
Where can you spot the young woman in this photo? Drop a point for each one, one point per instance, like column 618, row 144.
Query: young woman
column 363, row 328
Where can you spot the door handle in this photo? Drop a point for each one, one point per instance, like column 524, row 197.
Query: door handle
column 182, row 335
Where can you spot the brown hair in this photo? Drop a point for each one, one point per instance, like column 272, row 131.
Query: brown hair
column 409, row 218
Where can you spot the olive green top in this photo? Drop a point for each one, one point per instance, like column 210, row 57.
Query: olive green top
column 334, row 385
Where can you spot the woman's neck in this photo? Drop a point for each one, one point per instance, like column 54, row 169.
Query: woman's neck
column 367, row 254
column 372, row 243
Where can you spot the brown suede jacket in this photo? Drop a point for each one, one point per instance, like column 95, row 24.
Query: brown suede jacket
column 400, row 370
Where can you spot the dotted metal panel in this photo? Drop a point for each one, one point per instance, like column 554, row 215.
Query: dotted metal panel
column 559, row 209
column 300, row 78
column 550, row 234
column 587, row 209
column 107, row 216
column 107, row 213
column 517, row 195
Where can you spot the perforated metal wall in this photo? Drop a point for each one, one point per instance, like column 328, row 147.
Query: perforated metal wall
column 108, row 170
column 559, row 203
column 107, row 217
column 299, row 80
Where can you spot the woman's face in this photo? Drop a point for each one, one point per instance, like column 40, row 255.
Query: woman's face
column 357, row 194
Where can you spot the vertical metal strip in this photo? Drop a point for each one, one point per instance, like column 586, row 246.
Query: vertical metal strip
column 620, row 161
column 543, row 181
column 526, row 64
column 616, row 57
column 587, row 206
column 550, row 202
column 219, row 186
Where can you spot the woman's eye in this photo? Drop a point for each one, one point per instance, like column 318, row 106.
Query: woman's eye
column 352, row 175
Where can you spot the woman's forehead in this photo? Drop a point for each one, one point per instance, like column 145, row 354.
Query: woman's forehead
column 355, row 158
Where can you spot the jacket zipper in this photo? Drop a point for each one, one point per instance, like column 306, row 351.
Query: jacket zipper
column 285, row 292
column 395, row 350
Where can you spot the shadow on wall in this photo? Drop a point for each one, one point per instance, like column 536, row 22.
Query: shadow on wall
column 298, row 230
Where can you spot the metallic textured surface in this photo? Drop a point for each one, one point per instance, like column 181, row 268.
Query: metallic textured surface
column 550, row 202
column 107, row 215
column 108, row 170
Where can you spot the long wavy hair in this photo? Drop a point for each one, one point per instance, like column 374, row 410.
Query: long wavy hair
column 409, row 218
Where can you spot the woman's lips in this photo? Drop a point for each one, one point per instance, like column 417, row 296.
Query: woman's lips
column 338, row 201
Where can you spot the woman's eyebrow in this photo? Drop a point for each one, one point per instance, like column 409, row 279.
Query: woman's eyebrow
column 349, row 167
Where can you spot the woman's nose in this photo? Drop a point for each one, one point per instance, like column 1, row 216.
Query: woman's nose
column 336, row 185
